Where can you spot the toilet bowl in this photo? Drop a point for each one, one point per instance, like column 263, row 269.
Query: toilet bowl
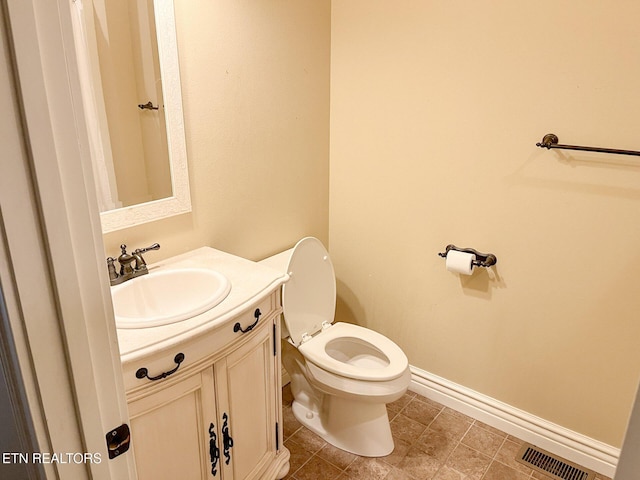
column 342, row 375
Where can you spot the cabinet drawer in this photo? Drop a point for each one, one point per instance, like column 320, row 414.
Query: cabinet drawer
column 167, row 365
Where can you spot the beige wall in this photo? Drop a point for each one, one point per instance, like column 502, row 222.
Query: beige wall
column 435, row 111
column 255, row 79
column 130, row 75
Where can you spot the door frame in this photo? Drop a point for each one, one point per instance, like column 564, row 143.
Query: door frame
column 629, row 460
column 60, row 310
column 52, row 276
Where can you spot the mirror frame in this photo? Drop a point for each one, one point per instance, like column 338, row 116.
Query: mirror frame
column 180, row 201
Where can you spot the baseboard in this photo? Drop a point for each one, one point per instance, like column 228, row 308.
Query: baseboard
column 558, row 440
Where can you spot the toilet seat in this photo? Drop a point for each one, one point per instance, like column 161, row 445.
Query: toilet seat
column 309, row 302
column 375, row 357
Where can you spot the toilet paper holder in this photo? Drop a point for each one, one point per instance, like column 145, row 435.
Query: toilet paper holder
column 482, row 259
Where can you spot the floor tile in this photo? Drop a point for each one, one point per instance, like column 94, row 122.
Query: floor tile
column 289, row 422
column 406, row 429
column 401, row 402
column 436, row 444
column 419, row 465
column 397, row 474
column 317, row 469
column 308, row 440
column 368, row 469
column 421, row 412
column 449, row 473
column 490, row 428
column 499, row 471
column 469, row 462
column 400, row 449
column 337, row 457
column 299, row 456
column 483, row 440
column 451, row 425
column 507, row 455
column 432, row 442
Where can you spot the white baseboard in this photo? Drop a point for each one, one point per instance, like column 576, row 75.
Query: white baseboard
column 558, row 440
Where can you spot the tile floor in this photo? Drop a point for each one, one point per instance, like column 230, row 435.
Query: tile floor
column 432, row 442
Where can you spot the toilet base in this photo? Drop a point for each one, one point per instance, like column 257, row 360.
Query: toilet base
column 356, row 427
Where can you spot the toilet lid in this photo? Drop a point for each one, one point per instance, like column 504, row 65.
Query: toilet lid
column 309, row 297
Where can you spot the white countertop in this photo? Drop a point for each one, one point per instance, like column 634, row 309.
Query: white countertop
column 250, row 283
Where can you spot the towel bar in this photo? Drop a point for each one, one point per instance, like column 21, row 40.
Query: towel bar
column 550, row 141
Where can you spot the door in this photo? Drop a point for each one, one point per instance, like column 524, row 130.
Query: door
column 247, row 396
column 60, row 311
column 171, row 429
column 629, row 464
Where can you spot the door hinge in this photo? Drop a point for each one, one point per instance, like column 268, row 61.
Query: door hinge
column 275, row 343
column 118, row 440
column 277, row 438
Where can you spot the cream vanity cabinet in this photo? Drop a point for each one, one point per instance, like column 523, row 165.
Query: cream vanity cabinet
column 217, row 415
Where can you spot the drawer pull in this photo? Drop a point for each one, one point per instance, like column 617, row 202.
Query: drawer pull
column 256, row 315
column 143, row 372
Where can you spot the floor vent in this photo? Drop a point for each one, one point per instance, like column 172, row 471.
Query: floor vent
column 551, row 465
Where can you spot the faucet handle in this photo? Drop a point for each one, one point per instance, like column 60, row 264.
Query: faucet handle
column 155, row 246
column 141, row 264
column 113, row 275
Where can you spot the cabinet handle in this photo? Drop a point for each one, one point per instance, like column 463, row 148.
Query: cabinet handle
column 227, row 441
column 214, row 451
column 256, row 315
column 143, row 372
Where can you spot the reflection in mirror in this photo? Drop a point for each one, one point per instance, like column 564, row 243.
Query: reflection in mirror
column 128, row 65
column 132, row 89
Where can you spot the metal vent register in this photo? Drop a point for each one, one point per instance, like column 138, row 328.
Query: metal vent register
column 534, row 457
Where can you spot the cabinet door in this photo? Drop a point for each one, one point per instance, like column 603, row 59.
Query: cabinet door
column 247, row 402
column 170, row 430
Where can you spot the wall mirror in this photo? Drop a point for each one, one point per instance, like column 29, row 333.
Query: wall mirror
column 129, row 73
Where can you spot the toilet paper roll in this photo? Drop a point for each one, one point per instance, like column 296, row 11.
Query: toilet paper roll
column 460, row 262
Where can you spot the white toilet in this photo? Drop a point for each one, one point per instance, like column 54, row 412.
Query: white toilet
column 342, row 375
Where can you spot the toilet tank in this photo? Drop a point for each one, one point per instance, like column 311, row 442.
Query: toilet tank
column 279, row 262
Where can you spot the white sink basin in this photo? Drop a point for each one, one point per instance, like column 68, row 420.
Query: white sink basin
column 167, row 296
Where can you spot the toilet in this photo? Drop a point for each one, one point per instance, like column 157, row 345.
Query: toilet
column 342, row 375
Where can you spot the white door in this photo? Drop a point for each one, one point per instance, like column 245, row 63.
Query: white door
column 52, row 274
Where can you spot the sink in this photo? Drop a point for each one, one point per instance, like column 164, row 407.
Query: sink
column 167, row 296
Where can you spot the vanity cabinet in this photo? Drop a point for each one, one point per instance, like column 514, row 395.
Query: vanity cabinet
column 217, row 416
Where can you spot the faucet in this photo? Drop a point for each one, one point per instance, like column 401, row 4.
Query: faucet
column 132, row 264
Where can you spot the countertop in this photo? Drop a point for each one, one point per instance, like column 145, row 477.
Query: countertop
column 250, row 283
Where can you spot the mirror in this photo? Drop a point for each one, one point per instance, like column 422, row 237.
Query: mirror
column 128, row 65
